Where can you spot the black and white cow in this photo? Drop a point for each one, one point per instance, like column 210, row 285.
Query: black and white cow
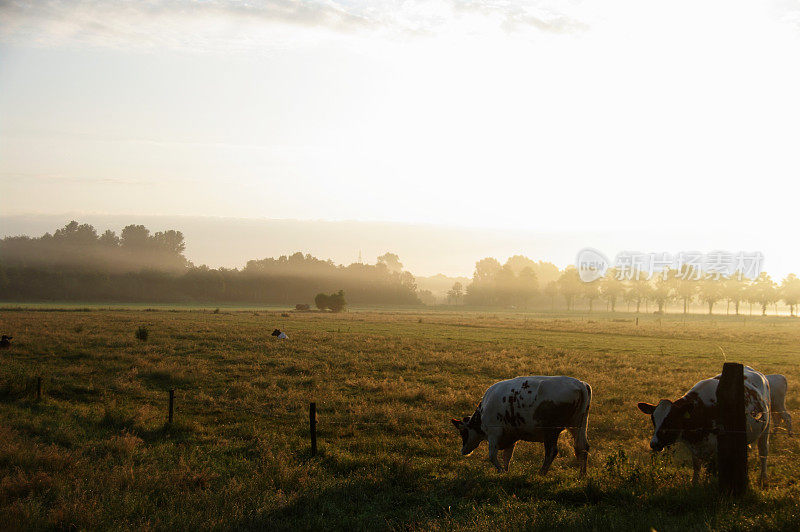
column 777, row 391
column 693, row 419
column 529, row 409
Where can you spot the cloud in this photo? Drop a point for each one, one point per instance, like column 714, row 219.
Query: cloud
column 230, row 25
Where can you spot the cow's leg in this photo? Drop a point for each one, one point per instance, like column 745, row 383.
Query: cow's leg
column 492, row 439
column 697, row 465
column 763, row 451
column 550, row 452
column 507, row 453
column 581, row 447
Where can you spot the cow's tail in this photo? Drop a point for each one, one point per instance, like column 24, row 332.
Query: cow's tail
column 583, row 417
column 581, row 440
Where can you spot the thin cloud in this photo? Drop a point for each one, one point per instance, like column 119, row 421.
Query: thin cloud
column 231, row 25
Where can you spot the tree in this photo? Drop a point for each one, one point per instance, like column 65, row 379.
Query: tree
column 611, row 288
column 764, row 292
column 135, row 237
column 109, row 239
column 711, row 291
column 392, row 262
column 790, row 292
column 570, row 286
column 551, row 291
column 663, row 289
column 334, row 302
column 639, row 290
column 733, row 291
column 685, row 286
column 455, row 294
column 590, row 292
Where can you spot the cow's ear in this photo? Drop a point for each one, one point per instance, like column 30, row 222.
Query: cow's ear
column 647, row 408
column 457, row 423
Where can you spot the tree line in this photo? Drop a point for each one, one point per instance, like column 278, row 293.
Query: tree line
column 517, row 283
column 75, row 263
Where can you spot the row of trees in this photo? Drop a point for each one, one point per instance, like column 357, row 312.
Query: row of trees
column 673, row 286
column 79, row 247
column 517, row 283
column 77, row 264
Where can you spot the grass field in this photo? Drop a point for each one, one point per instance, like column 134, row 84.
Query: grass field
column 96, row 452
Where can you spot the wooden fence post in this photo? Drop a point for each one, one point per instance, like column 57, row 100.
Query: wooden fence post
column 312, row 419
column 38, row 388
column 732, row 439
column 171, row 404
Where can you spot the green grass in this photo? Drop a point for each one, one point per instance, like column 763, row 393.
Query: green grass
column 96, row 451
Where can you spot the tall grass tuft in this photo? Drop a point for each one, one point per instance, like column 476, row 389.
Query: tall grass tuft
column 142, row 333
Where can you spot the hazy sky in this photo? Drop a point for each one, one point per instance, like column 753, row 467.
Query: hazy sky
column 676, row 116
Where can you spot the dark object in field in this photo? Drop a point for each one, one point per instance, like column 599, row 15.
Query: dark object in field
column 142, row 333
column 279, row 334
column 334, row 302
column 5, row 342
column 284, row 314
column 301, row 306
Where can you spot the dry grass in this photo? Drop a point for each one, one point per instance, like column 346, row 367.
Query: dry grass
column 96, row 451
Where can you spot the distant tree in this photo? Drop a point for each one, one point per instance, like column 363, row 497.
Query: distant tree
column 427, row 297
column 321, row 301
column 790, row 292
column 663, row 289
column 764, row 292
column 109, row 239
column 611, row 288
column 135, row 237
column 590, row 292
column 455, row 294
column 639, row 290
column 334, row 302
column 711, row 291
column 392, row 262
column 570, row 286
column 551, row 291
column 733, row 289
column 685, row 286
column 486, row 270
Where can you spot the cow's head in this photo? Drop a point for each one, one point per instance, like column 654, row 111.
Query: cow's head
column 276, row 332
column 669, row 420
column 471, row 433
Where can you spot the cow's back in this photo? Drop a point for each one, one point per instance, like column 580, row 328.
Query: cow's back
column 536, row 401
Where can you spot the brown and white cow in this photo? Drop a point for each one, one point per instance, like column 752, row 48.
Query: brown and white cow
column 777, row 391
column 692, row 419
column 535, row 409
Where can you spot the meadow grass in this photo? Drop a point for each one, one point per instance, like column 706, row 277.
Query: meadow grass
column 96, row 451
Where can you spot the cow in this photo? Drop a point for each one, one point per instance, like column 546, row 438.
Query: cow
column 693, row 419
column 280, row 334
column 777, row 390
column 5, row 341
column 535, row 409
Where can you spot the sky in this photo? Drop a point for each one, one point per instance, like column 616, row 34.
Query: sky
column 679, row 120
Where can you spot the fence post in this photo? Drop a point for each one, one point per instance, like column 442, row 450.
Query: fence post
column 171, row 404
column 38, row 388
column 312, row 419
column 637, row 321
column 732, row 439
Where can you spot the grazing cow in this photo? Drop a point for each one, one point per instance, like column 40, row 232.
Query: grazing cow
column 777, row 390
column 529, row 409
column 5, row 341
column 693, row 419
column 279, row 334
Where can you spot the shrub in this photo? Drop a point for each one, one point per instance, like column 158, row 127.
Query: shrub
column 302, row 306
column 334, row 302
column 142, row 333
